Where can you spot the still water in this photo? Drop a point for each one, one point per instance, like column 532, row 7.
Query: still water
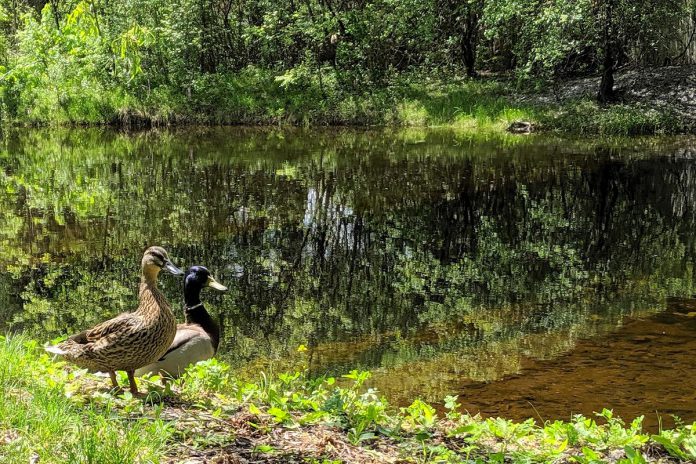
column 528, row 275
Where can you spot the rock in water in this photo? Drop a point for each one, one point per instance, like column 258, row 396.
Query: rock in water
column 521, row 127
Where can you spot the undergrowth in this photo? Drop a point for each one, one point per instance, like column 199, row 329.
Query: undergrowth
column 56, row 414
column 255, row 96
column 587, row 117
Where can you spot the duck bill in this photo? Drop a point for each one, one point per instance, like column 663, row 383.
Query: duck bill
column 212, row 283
column 172, row 269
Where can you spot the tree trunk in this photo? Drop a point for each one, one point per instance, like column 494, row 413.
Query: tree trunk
column 470, row 36
column 469, row 55
column 606, row 87
column 470, row 62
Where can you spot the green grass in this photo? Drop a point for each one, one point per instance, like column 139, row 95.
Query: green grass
column 256, row 96
column 63, row 415
column 468, row 104
column 587, row 117
column 38, row 419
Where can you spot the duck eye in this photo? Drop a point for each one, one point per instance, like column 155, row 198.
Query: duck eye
column 159, row 259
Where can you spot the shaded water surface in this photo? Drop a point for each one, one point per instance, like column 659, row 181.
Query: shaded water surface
column 528, row 275
column 642, row 369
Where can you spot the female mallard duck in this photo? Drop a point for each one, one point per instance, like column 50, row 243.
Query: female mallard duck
column 130, row 340
column 197, row 339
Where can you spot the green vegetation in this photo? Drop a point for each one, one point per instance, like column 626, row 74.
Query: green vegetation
column 589, row 117
column 477, row 256
column 483, row 257
column 55, row 414
column 334, row 62
column 38, row 416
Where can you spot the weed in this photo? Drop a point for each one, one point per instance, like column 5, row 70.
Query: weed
column 57, row 414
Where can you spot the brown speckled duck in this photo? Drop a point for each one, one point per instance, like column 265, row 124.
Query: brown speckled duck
column 130, row 340
column 197, row 339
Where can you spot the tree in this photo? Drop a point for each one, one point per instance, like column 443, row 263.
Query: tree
column 460, row 23
column 606, row 87
column 566, row 37
column 634, row 32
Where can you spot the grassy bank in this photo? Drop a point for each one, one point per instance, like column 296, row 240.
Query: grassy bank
column 386, row 63
column 55, row 414
column 260, row 97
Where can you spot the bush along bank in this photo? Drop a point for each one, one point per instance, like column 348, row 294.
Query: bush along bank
column 256, row 97
column 405, row 62
column 51, row 413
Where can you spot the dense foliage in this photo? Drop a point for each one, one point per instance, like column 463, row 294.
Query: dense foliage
column 333, row 61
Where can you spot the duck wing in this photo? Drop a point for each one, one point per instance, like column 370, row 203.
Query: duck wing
column 122, row 323
column 184, row 334
column 191, row 344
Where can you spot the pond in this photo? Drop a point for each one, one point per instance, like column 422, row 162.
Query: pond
column 532, row 276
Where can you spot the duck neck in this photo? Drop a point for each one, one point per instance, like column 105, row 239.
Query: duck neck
column 149, row 276
column 152, row 300
column 192, row 295
column 196, row 313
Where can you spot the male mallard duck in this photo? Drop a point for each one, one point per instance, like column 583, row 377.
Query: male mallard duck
column 197, row 339
column 130, row 340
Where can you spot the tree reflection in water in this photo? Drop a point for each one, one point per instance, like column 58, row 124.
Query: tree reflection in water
column 430, row 257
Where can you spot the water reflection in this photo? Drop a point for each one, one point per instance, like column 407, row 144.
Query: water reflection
column 434, row 259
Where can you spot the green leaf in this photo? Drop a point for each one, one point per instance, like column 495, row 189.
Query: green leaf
column 671, row 446
column 462, row 429
column 266, row 449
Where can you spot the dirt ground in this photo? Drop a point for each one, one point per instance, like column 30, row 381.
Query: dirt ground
column 671, row 88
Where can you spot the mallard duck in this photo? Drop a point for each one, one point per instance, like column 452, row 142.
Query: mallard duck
column 197, row 339
column 130, row 340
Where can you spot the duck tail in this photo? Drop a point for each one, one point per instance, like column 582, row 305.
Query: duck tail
column 55, row 349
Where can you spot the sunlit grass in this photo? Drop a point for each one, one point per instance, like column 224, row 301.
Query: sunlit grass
column 58, row 415
column 38, row 420
column 473, row 105
column 260, row 97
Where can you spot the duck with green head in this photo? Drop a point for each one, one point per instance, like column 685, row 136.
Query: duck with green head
column 129, row 340
column 197, row 339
